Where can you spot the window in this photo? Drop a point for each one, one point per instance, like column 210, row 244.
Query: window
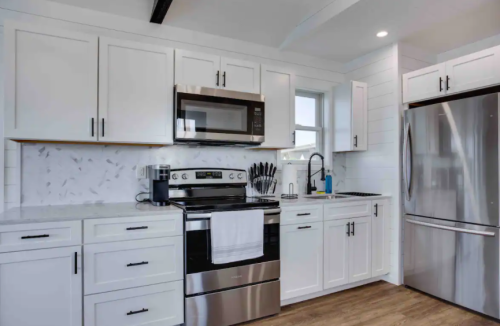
column 308, row 128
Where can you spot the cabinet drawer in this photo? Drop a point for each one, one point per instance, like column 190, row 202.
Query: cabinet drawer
column 121, row 265
column 301, row 214
column 132, row 228
column 158, row 305
column 347, row 210
column 40, row 235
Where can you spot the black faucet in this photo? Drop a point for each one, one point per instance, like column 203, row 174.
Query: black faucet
column 309, row 171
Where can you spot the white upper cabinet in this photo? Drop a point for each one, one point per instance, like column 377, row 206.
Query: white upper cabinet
column 474, row 71
column 240, row 75
column 136, row 83
column 51, row 83
column 360, row 253
column 208, row 70
column 380, row 238
column 350, row 117
column 41, row 287
column 278, row 87
column 301, row 255
column 425, row 83
column 197, row 69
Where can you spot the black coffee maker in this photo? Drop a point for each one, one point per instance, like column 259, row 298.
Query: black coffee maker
column 159, row 176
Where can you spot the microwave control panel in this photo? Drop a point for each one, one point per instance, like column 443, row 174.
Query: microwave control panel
column 258, row 121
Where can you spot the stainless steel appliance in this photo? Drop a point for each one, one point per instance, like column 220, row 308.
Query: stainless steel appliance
column 451, row 195
column 225, row 294
column 217, row 116
column 159, row 176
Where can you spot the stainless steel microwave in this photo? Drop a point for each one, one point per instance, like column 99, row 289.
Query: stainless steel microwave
column 217, row 116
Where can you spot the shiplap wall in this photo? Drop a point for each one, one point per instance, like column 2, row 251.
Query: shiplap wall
column 377, row 169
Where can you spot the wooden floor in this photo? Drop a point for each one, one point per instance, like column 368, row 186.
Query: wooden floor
column 377, row 304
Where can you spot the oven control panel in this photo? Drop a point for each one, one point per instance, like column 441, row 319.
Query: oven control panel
column 207, row 176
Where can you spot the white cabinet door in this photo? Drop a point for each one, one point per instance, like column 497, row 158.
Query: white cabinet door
column 136, row 83
column 380, row 238
column 474, row 71
column 301, row 249
column 51, row 83
column 41, row 288
column 336, row 259
column 155, row 305
column 240, row 75
column 359, row 116
column 278, row 87
column 360, row 253
column 424, row 83
column 197, row 69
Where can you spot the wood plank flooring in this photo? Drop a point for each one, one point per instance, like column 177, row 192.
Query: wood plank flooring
column 376, row 304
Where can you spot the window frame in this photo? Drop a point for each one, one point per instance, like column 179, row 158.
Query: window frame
column 319, row 128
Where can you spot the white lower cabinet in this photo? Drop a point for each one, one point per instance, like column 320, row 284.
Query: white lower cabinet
column 336, row 256
column 380, row 238
column 41, row 287
column 155, row 305
column 360, row 255
column 301, row 259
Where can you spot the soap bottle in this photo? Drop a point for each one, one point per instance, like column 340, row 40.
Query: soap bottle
column 328, row 183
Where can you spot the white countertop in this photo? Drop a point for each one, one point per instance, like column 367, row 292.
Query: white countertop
column 38, row 214
column 307, row 200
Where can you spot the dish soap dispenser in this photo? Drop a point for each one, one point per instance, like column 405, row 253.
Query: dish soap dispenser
column 328, row 183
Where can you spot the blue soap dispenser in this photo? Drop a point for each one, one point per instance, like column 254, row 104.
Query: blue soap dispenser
column 328, row 183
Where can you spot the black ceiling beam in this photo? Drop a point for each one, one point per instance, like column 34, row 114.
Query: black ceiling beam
column 160, row 9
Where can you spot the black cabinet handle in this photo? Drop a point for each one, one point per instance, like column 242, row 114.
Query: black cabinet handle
column 92, row 127
column 103, row 127
column 348, row 229
column 352, row 232
column 217, row 82
column 137, row 228
column 76, row 263
column 224, row 79
column 356, row 141
column 137, row 312
column 293, row 135
column 304, row 227
column 35, row 236
column 138, row 264
column 440, row 84
column 376, row 210
column 303, row 214
column 447, row 83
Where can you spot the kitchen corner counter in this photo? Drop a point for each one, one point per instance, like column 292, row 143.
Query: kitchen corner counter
column 306, row 200
column 40, row 214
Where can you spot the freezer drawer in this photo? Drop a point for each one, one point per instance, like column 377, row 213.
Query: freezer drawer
column 454, row 261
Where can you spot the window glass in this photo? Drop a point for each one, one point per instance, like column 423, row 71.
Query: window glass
column 305, row 111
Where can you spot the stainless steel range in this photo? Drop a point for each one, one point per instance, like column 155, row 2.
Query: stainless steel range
column 225, row 294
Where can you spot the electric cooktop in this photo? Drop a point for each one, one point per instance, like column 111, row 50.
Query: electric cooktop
column 224, row 204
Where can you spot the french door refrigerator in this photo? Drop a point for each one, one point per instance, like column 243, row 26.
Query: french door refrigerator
column 451, row 196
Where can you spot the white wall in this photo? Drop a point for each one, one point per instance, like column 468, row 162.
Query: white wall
column 469, row 48
column 377, row 169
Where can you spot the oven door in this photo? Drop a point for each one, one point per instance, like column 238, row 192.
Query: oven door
column 216, row 115
column 203, row 276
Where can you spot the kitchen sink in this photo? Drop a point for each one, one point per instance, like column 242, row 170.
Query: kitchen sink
column 328, row 197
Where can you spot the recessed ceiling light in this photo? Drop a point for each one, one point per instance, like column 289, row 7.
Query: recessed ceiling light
column 382, row 34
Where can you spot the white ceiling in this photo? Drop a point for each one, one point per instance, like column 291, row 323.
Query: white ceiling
column 434, row 25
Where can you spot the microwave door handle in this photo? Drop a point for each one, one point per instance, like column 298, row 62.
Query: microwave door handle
column 407, row 147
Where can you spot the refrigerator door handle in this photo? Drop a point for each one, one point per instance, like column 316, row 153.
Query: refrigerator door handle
column 406, row 147
column 451, row 228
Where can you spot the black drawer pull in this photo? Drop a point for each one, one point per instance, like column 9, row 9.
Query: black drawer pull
column 303, row 214
column 376, row 210
column 138, row 264
column 35, row 236
column 348, row 229
column 352, row 232
column 137, row 228
column 303, row 227
column 76, row 263
column 137, row 312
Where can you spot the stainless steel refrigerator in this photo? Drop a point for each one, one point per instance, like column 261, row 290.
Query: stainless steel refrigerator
column 451, row 196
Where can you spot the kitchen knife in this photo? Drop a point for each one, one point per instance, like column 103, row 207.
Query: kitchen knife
column 266, row 171
column 270, row 179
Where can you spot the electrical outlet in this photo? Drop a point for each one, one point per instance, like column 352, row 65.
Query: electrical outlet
column 141, row 172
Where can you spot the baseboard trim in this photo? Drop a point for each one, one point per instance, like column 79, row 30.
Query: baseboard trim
column 330, row 291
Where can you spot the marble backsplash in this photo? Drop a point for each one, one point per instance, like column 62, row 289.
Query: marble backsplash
column 58, row 174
